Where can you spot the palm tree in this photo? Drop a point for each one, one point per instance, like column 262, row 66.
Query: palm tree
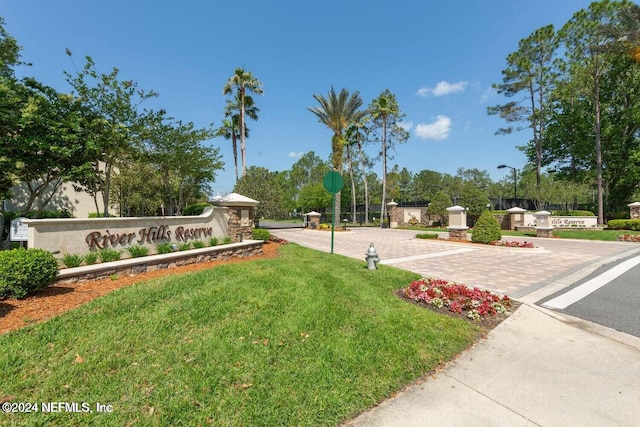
column 385, row 115
column 230, row 128
column 242, row 82
column 338, row 111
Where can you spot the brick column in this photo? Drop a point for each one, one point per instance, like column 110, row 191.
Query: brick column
column 457, row 223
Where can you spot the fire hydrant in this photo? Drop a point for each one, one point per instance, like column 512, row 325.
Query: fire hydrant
column 372, row 258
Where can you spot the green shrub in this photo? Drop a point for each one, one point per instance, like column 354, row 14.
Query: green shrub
column 164, row 248
column 108, row 255
column 226, row 240
column 195, row 209
column 24, row 271
column 572, row 213
column 71, row 261
column 91, row 258
column 261, row 234
column 213, row 241
column 99, row 215
column 184, row 246
column 427, row 236
column 486, row 229
column 197, row 244
column 138, row 251
column 624, row 224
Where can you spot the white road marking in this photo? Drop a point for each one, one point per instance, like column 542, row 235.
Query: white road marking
column 576, row 294
column 425, row 256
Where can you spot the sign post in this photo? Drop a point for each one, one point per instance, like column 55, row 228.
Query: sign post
column 333, row 183
column 18, row 231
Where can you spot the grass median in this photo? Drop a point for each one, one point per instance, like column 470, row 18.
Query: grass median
column 307, row 338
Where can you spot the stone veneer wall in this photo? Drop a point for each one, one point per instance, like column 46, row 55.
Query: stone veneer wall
column 397, row 215
column 235, row 223
column 134, row 266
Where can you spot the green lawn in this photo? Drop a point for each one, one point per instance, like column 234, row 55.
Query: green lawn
column 308, row 338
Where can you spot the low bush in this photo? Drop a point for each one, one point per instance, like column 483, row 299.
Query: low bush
column 213, row 241
column 486, row 229
column 624, row 224
column 198, row 244
column 138, row 251
column 164, row 248
column 226, row 240
column 427, row 236
column 24, row 271
column 261, row 234
column 108, row 255
column 71, row 261
column 195, row 209
column 91, row 258
column 184, row 246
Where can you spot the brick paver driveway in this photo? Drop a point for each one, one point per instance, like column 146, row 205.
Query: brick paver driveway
column 511, row 271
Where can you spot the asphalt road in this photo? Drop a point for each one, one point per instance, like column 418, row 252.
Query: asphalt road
column 615, row 303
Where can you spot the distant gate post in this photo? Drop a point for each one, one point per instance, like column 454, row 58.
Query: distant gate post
column 457, row 223
column 516, row 217
column 634, row 210
column 393, row 214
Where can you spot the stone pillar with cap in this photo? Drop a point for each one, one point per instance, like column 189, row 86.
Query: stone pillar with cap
column 241, row 215
column 457, row 223
column 314, row 220
column 516, row 217
column 544, row 228
column 634, row 210
column 394, row 214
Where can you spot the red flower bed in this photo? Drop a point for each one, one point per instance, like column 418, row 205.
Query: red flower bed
column 458, row 298
column 512, row 244
column 629, row 238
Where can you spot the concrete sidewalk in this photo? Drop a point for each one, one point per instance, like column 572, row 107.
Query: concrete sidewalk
column 534, row 369
column 538, row 367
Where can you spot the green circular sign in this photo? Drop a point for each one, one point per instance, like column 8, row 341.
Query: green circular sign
column 333, row 182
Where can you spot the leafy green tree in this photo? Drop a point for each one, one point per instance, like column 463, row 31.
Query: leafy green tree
column 187, row 167
column 426, row 184
column 355, row 137
column 51, row 148
column 266, row 187
column 438, row 206
column 385, row 128
column 114, row 124
column 588, row 61
column 337, row 112
column 530, row 74
column 242, row 83
column 474, row 200
column 314, row 197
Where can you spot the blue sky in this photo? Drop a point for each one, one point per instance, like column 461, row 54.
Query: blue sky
column 439, row 58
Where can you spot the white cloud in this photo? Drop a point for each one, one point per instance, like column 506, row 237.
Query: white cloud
column 295, row 155
column 438, row 130
column 406, row 125
column 487, row 93
column 443, row 88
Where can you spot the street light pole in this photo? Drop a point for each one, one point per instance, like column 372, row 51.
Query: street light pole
column 515, row 181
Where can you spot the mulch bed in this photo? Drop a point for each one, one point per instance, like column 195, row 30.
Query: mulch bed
column 59, row 298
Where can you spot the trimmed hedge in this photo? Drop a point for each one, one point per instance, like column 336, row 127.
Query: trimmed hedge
column 573, row 213
column 261, row 234
column 486, row 229
column 624, row 224
column 427, row 236
column 24, row 271
column 194, row 210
